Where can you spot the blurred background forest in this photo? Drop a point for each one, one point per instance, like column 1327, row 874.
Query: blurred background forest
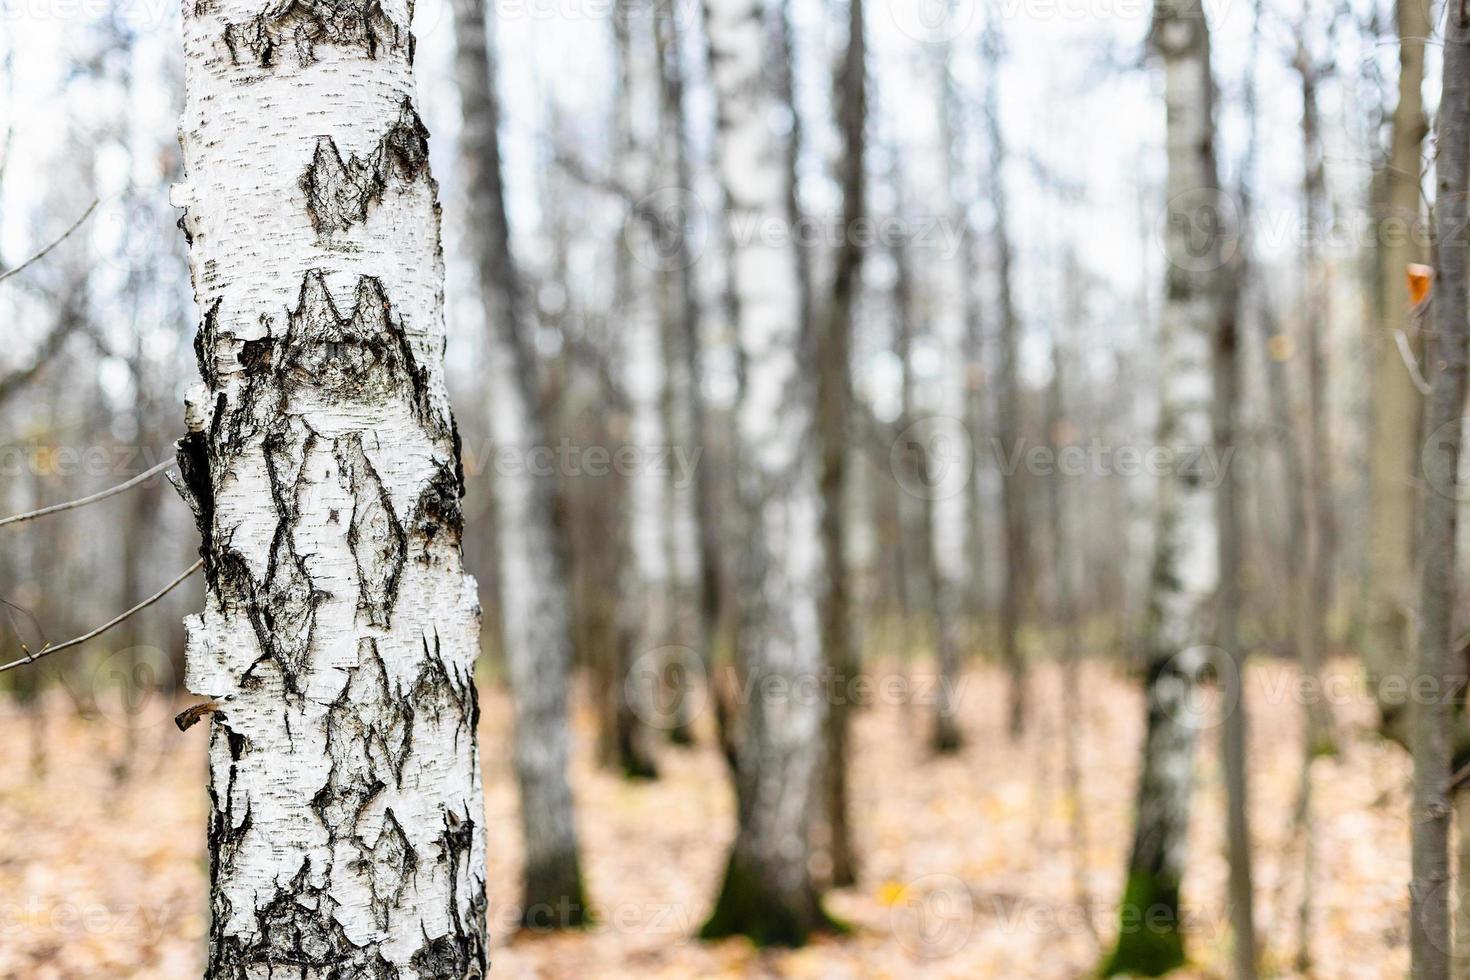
column 1008, row 277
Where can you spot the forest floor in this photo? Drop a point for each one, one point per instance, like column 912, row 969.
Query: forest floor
column 968, row 869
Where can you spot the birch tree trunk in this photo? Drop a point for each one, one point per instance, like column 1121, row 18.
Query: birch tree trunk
column 768, row 893
column 646, row 608
column 834, row 408
column 1396, row 403
column 1186, row 560
column 1429, row 935
column 535, row 604
column 340, row 631
column 1011, row 408
column 693, row 542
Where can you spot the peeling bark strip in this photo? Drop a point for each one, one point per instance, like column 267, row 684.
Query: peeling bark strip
column 339, row 635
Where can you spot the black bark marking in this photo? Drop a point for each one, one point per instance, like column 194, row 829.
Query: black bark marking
column 438, row 689
column 460, row 954
column 297, row 930
column 374, row 534
column 361, row 359
column 369, row 737
column 389, row 865
column 438, row 508
column 340, row 193
column 194, row 484
column 294, row 29
column 206, row 340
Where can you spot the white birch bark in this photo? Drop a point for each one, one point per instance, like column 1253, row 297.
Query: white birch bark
column 643, row 361
column 535, row 607
column 768, row 893
column 340, row 631
column 1186, row 556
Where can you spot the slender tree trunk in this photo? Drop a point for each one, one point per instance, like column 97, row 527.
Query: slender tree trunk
column 958, row 591
column 1186, row 570
column 646, row 610
column 1067, row 567
column 1397, row 405
column 339, row 635
column 1011, row 406
column 1429, row 938
column 535, row 605
column 1315, row 491
column 695, row 550
column 834, row 400
column 1229, row 372
column 918, row 463
column 768, row 892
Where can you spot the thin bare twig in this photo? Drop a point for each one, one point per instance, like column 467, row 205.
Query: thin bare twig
column 101, row 495
column 43, row 252
column 31, row 658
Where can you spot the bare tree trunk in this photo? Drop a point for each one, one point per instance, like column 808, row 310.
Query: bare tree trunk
column 338, row 640
column 695, row 549
column 1011, row 409
column 1315, row 491
column 1229, row 372
column 1186, row 569
column 646, row 611
column 768, row 892
column 535, row 605
column 1429, row 938
column 1397, row 405
column 834, row 399
column 1067, row 569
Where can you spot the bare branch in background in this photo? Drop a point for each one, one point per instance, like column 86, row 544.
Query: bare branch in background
column 55, row 242
column 30, row 658
column 100, row 495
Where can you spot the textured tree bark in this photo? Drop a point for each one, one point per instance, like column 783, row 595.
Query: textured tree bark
column 1396, row 404
column 1186, row 567
column 340, row 631
column 646, row 608
column 768, row 893
column 1008, row 394
column 535, row 604
column 1429, row 935
column 834, row 400
column 692, row 522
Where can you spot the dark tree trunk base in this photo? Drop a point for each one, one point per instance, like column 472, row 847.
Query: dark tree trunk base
column 747, row 908
column 947, row 738
column 553, row 899
column 1149, row 941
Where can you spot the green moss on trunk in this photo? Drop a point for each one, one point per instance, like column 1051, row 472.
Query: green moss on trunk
column 554, row 899
column 748, row 907
column 1150, row 943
